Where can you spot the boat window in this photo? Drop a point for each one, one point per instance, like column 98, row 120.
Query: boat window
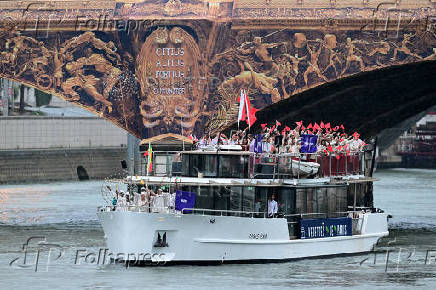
column 200, row 163
column 362, row 192
column 236, row 199
column 287, row 200
column 248, row 198
column 337, row 201
column 204, row 197
column 233, row 166
column 300, row 203
column 321, row 202
column 210, row 165
column 261, row 197
column 288, row 209
column 162, row 164
column 185, row 165
column 221, row 197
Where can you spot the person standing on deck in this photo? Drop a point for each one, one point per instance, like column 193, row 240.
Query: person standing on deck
column 158, row 202
column 272, row 206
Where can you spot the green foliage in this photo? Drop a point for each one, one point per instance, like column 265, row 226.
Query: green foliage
column 42, row 98
column 16, row 92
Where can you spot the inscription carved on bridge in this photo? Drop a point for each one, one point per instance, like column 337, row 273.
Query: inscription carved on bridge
column 177, row 66
column 171, row 72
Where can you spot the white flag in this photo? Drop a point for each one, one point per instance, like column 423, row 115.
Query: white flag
column 241, row 106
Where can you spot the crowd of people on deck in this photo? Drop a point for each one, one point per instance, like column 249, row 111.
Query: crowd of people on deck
column 275, row 138
column 158, row 202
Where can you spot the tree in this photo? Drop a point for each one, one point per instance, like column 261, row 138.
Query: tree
column 42, row 98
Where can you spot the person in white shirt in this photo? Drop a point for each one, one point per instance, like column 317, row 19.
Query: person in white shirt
column 121, row 203
column 272, row 206
column 158, row 202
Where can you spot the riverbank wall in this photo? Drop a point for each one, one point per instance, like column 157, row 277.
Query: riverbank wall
column 44, row 165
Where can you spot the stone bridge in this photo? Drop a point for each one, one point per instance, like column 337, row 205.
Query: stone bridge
column 158, row 66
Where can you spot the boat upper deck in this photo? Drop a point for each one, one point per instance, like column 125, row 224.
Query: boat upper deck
column 245, row 165
column 206, row 181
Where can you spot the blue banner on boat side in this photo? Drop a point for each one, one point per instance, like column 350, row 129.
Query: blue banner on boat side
column 324, row 228
column 184, row 199
column 308, row 143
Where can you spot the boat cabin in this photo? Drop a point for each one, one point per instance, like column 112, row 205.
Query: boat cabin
column 240, row 183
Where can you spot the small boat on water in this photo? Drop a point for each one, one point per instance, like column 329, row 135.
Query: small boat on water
column 231, row 206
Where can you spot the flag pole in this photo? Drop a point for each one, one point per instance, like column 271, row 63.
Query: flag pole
column 148, row 165
column 247, row 109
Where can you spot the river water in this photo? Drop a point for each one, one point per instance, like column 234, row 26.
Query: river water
column 63, row 215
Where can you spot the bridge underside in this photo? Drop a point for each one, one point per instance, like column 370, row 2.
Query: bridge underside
column 180, row 69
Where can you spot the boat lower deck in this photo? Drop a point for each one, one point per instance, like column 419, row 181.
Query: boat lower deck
column 158, row 237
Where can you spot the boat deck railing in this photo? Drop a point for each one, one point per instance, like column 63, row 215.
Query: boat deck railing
column 274, row 165
column 291, row 165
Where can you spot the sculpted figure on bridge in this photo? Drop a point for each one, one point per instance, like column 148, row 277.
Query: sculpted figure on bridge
column 313, row 62
column 260, row 50
column 104, row 63
column 88, row 38
column 257, row 81
column 330, row 44
column 288, row 72
column 88, row 82
column 351, row 56
column 404, row 48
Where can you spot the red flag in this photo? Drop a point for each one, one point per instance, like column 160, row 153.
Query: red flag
column 252, row 115
column 330, row 148
column 299, row 124
column 327, row 126
column 322, row 124
column 283, row 132
column 251, row 111
column 310, row 126
column 278, row 123
column 342, row 127
column 263, row 125
column 287, row 128
column 356, row 135
column 303, row 128
column 316, row 127
column 272, row 129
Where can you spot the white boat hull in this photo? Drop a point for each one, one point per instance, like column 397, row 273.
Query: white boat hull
column 202, row 238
